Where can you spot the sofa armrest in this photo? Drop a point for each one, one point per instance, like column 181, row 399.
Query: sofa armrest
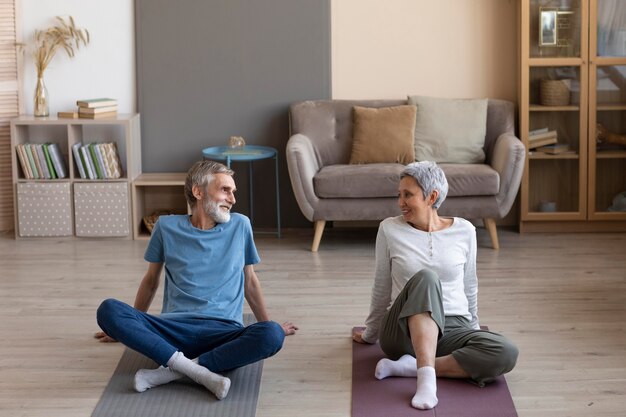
column 508, row 160
column 303, row 164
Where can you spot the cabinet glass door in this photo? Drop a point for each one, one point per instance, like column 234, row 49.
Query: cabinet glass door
column 607, row 110
column 611, row 28
column 556, row 169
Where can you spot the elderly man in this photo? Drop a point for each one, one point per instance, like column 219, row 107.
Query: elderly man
column 209, row 260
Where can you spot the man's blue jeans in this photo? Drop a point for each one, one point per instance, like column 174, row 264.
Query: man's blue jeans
column 219, row 345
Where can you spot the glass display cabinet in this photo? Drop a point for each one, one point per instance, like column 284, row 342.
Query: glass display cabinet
column 572, row 107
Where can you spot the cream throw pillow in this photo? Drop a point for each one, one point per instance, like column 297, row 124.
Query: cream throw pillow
column 450, row 130
column 383, row 135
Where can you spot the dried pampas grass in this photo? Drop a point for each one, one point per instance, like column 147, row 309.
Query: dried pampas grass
column 64, row 35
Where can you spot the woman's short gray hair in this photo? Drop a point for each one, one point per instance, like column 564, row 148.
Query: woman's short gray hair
column 429, row 177
column 201, row 174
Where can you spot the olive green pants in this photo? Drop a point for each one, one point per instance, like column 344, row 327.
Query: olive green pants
column 482, row 354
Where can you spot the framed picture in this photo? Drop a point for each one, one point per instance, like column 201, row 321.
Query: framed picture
column 555, row 27
column 547, row 28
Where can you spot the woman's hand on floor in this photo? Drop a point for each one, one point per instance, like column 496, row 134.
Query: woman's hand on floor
column 357, row 336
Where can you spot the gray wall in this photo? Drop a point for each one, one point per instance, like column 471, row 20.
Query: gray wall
column 208, row 70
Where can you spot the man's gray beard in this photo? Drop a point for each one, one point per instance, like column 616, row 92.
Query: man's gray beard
column 213, row 210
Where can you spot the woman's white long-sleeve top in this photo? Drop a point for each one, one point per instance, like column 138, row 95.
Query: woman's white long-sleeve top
column 402, row 251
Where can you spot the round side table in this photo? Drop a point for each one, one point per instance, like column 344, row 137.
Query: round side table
column 249, row 154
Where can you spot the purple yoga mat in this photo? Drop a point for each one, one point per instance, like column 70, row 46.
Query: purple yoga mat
column 391, row 397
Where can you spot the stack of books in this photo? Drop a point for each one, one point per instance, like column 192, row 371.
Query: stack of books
column 97, row 161
column 97, row 108
column 41, row 161
column 541, row 137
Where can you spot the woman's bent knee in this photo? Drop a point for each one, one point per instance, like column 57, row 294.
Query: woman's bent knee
column 424, row 277
column 504, row 357
column 508, row 356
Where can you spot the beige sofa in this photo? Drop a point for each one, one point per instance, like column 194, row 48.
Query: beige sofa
column 328, row 188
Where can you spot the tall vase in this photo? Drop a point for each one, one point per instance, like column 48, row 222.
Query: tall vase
column 41, row 99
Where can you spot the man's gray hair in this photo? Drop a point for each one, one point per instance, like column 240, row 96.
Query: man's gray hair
column 201, row 174
column 429, row 177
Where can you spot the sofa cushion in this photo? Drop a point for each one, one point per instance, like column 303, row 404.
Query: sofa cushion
column 381, row 180
column 358, row 181
column 383, row 135
column 471, row 179
column 450, row 130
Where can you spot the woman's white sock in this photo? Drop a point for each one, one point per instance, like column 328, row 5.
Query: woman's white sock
column 426, row 395
column 405, row 366
column 217, row 384
column 150, row 378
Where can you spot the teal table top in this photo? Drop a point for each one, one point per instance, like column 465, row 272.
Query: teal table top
column 245, row 153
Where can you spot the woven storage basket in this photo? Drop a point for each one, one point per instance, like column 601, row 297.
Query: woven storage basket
column 150, row 220
column 554, row 93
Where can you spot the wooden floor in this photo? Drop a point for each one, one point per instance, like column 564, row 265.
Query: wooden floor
column 562, row 298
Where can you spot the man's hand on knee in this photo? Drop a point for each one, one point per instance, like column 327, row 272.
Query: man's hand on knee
column 104, row 338
column 289, row 328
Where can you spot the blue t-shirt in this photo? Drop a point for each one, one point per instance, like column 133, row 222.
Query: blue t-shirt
column 203, row 268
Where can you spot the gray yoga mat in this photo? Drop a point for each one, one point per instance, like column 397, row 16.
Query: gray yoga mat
column 182, row 398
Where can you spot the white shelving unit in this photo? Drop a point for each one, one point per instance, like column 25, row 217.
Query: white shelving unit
column 73, row 206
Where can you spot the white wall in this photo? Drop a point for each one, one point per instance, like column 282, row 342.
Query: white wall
column 105, row 68
column 442, row 48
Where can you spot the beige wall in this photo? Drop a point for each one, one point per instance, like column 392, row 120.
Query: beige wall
column 442, row 48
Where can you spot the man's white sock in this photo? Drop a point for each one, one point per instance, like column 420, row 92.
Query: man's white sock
column 217, row 384
column 150, row 378
column 405, row 366
column 426, row 395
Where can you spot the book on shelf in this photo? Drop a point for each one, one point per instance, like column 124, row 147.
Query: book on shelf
column 94, row 160
column 113, row 159
column 541, row 135
column 67, row 115
column 21, row 156
column 33, row 150
column 105, row 115
column 31, row 161
column 46, row 153
column 538, row 131
column 99, row 160
column 42, row 161
column 106, row 163
column 86, row 159
column 555, row 149
column 57, row 160
column 97, row 110
column 542, row 139
column 97, row 102
column 78, row 161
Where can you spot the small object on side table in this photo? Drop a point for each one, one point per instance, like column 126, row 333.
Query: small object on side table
column 236, row 142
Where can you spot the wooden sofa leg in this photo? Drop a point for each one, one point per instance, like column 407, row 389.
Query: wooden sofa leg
column 490, row 225
column 317, row 237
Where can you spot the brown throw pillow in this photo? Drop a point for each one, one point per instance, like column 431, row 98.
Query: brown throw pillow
column 383, row 135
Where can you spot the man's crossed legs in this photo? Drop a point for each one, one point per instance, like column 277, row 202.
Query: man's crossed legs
column 216, row 346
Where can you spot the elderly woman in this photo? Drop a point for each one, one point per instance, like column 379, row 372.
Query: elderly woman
column 426, row 271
